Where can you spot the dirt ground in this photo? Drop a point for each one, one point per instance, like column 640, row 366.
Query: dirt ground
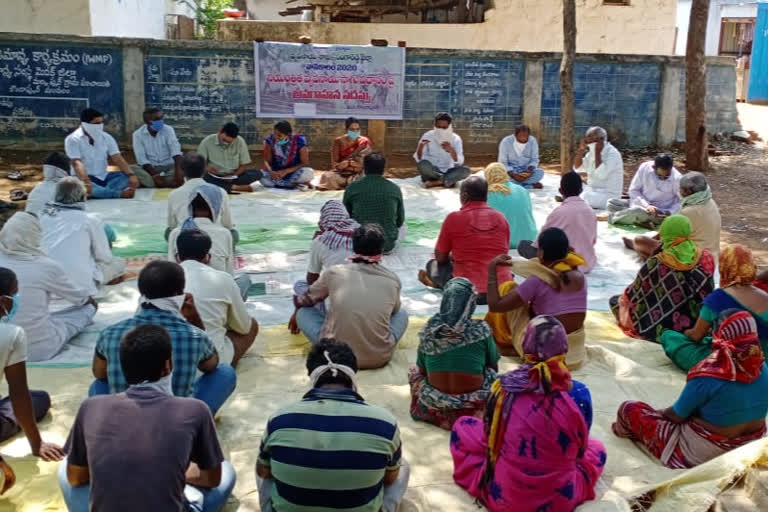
column 738, row 177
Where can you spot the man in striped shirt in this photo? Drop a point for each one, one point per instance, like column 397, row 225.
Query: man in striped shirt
column 331, row 450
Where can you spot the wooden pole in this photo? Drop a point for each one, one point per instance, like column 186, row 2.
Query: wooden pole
column 566, row 86
column 696, row 151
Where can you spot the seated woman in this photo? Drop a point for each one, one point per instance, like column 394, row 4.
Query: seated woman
column 722, row 406
column 456, row 363
column 513, row 201
column 554, row 286
column 538, row 455
column 286, row 158
column 347, row 156
column 737, row 291
column 670, row 286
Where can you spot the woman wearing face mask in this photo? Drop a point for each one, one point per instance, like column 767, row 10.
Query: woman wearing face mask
column 22, row 408
column 347, row 156
column 286, row 158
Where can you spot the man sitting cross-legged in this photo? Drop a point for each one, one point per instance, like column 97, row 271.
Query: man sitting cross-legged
column 653, row 195
column 145, row 449
column 164, row 303
column 440, row 155
column 364, row 302
column 331, row 450
column 217, row 298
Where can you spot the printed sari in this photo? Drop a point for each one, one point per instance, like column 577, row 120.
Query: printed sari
column 338, row 179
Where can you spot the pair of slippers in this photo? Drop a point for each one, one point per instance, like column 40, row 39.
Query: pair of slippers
column 17, row 194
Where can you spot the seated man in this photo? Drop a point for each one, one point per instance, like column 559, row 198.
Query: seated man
column 56, row 166
column 601, row 165
column 653, row 195
column 77, row 240
column 90, row 148
column 376, row 200
column 363, row 303
column 228, row 161
column 702, row 211
column 42, row 278
column 286, row 159
column 22, row 408
column 347, row 155
column 576, row 218
column 145, row 449
column 157, row 152
column 193, row 167
column 164, row 303
column 331, row 432
column 440, row 155
column 204, row 210
column 520, row 155
column 469, row 239
column 217, row 298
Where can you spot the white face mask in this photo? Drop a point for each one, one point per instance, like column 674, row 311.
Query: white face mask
column 170, row 304
column 92, row 129
column 592, row 146
column 445, row 134
column 163, row 385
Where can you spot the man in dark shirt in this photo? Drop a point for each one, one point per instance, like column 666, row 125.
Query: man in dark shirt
column 376, row 200
column 145, row 449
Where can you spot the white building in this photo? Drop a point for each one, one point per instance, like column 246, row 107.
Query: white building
column 730, row 27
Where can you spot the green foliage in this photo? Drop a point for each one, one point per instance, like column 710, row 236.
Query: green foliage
column 208, row 12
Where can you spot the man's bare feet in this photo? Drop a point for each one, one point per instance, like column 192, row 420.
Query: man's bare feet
column 538, row 186
column 433, row 184
column 127, row 193
column 628, row 243
column 124, row 277
column 242, row 188
column 425, row 280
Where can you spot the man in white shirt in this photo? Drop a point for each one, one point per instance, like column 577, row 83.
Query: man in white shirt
column 56, row 166
column 90, row 148
column 653, row 195
column 601, row 164
column 519, row 153
column 440, row 155
column 193, row 167
column 217, row 298
column 157, row 151
column 77, row 240
column 41, row 279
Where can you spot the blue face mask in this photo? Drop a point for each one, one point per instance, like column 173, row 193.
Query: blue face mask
column 14, row 308
column 157, row 125
column 353, row 135
column 283, row 142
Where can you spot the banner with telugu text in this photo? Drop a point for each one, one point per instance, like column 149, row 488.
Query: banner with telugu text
column 318, row 81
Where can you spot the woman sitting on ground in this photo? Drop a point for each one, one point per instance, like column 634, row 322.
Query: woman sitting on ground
column 347, row 155
column 722, row 406
column 554, row 286
column 456, row 363
column 737, row 291
column 513, row 201
column 669, row 288
column 532, row 451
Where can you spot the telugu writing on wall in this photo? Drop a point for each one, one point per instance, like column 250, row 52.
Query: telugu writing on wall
column 200, row 91
column 43, row 89
column 329, row 81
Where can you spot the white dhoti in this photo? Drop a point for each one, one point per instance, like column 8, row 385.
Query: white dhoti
column 598, row 198
column 64, row 325
column 111, row 271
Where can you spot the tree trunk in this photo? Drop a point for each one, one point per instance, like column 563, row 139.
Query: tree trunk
column 696, row 155
column 566, row 86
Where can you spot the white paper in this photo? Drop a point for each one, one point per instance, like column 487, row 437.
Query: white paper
column 304, row 109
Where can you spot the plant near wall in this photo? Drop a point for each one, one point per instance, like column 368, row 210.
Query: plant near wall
column 207, row 12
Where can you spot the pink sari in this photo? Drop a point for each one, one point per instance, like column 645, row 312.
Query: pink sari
column 547, row 461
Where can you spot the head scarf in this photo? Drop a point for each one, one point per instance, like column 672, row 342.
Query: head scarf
column 211, row 194
column 697, row 198
column 20, row 237
column 337, row 226
column 545, row 345
column 53, row 173
column 737, row 266
column 453, row 327
column 679, row 252
column 497, row 178
column 736, row 352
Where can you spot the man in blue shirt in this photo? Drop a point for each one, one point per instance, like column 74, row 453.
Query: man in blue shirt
column 520, row 155
column 164, row 303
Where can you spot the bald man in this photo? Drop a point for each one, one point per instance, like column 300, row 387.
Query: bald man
column 469, row 240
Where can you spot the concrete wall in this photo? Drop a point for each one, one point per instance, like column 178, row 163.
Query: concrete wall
column 46, row 16
column 128, row 18
column 645, row 27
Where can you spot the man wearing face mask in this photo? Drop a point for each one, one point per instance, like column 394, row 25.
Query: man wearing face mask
column 520, row 155
column 164, row 303
column 158, row 152
column 600, row 164
column 228, row 162
column 440, row 155
column 90, row 148
column 653, row 195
